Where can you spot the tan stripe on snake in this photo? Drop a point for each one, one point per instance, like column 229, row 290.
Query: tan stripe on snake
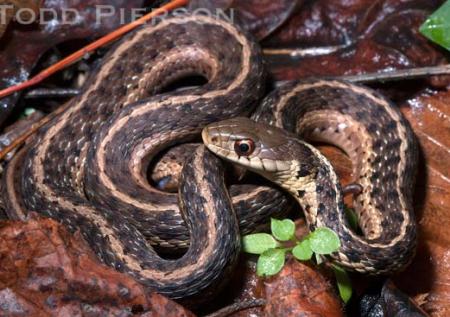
column 87, row 168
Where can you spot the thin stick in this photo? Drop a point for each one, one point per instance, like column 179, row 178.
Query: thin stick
column 90, row 48
column 403, row 74
column 406, row 74
column 232, row 309
column 52, row 93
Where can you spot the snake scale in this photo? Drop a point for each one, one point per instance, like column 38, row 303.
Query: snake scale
column 88, row 167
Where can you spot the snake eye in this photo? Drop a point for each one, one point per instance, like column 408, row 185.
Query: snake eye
column 244, row 147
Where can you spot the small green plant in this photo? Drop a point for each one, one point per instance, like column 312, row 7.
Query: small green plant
column 437, row 26
column 272, row 250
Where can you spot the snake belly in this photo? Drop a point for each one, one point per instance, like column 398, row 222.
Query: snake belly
column 369, row 129
column 87, row 167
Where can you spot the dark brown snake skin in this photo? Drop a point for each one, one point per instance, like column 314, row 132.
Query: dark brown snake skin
column 88, row 167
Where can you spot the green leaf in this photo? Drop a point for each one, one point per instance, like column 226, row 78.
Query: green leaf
column 29, row 111
column 352, row 218
column 303, row 251
column 343, row 282
column 437, row 26
column 324, row 241
column 282, row 230
column 258, row 243
column 270, row 262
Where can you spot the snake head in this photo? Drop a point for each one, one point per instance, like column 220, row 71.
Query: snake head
column 258, row 147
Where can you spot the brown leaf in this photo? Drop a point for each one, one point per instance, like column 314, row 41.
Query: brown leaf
column 298, row 290
column 11, row 7
column 429, row 114
column 261, row 18
column 46, row 271
column 301, row 291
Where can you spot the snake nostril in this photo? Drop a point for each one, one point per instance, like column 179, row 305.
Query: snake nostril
column 214, row 139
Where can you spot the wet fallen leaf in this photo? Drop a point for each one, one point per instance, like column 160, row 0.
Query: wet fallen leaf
column 45, row 271
column 261, row 18
column 300, row 290
column 24, row 8
column 429, row 114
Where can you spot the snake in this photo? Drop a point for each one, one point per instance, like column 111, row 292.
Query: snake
column 373, row 134
column 88, row 167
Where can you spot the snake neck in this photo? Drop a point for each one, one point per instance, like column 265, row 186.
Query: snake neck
column 313, row 182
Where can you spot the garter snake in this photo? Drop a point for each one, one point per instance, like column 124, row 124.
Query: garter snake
column 369, row 129
column 87, row 167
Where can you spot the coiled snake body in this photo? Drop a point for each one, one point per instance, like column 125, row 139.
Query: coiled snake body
column 87, row 167
column 371, row 131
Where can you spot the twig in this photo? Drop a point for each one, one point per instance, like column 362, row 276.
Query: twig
column 404, row 74
column 238, row 307
column 71, row 59
column 52, row 93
